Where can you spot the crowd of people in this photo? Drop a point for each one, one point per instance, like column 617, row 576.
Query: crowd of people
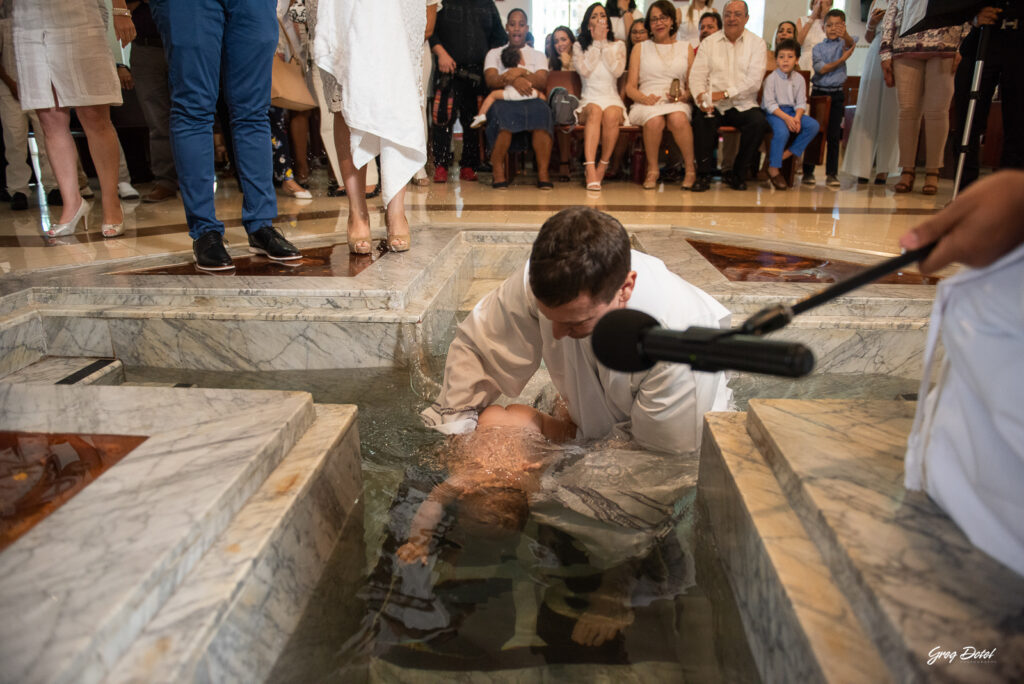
column 678, row 74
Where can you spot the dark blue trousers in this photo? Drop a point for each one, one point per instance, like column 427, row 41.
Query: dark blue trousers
column 210, row 42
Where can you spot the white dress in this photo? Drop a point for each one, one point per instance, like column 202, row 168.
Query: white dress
column 64, row 44
column 659, row 65
column 499, row 347
column 815, row 35
column 874, row 135
column 599, row 69
column 358, row 41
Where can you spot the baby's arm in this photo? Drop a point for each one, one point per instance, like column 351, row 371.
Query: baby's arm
column 426, row 520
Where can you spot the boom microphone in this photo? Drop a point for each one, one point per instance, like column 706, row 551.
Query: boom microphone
column 629, row 341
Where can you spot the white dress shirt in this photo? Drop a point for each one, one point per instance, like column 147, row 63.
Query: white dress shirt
column 733, row 67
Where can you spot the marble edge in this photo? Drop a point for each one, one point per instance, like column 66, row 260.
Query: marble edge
column 897, row 634
column 825, row 616
column 173, row 639
column 79, row 646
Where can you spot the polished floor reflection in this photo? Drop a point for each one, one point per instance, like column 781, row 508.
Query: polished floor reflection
column 332, row 261
column 39, row 472
column 755, row 265
column 863, row 218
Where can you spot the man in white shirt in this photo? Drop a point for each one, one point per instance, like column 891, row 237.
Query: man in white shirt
column 726, row 75
column 581, row 266
column 507, row 117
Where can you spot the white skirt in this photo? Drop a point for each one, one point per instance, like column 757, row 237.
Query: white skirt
column 62, row 46
column 639, row 114
column 604, row 103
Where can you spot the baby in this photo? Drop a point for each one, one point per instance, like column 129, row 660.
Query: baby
column 491, row 477
column 510, row 58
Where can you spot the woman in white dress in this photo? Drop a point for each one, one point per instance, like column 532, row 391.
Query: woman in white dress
column 689, row 21
column 64, row 62
column 657, row 86
column 811, row 31
column 874, row 135
column 599, row 59
column 376, row 102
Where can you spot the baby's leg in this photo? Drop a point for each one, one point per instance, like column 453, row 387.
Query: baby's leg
column 489, row 100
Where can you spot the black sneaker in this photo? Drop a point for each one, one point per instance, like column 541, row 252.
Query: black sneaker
column 54, row 199
column 210, row 253
column 270, row 243
column 19, row 201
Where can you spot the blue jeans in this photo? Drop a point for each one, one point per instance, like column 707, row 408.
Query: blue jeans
column 780, row 136
column 210, row 42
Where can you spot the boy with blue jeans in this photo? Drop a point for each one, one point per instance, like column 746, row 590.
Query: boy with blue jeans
column 829, row 77
column 784, row 100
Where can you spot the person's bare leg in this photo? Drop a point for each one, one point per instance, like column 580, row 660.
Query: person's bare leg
column 591, row 116
column 653, row 130
column 498, row 154
column 542, row 149
column 611, row 118
column 298, row 130
column 63, row 156
column 355, row 189
column 106, row 156
column 399, row 237
column 682, row 133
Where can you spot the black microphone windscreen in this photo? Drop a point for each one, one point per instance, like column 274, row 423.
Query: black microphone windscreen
column 617, row 338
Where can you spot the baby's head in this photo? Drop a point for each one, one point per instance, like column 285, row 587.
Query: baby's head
column 493, row 511
column 510, row 57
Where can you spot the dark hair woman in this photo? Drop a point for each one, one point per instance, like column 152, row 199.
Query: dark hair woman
column 599, row 59
column 657, row 86
column 560, row 52
column 621, row 14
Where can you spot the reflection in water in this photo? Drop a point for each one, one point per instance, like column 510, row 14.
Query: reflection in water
column 39, row 472
column 333, row 261
column 602, row 557
column 755, row 265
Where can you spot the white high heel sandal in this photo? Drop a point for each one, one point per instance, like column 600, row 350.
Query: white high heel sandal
column 59, row 229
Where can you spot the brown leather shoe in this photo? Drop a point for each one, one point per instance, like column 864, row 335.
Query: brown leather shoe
column 158, row 194
column 779, row 182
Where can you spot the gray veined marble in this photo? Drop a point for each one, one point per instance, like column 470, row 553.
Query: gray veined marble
column 238, row 606
column 912, row 578
column 81, row 585
column 801, row 627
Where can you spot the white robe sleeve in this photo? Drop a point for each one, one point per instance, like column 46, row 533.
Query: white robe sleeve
column 665, row 416
column 496, row 350
column 614, row 57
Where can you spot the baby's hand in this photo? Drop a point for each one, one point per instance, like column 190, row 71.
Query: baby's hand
column 411, row 551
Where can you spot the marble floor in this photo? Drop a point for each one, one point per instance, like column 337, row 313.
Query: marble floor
column 860, row 218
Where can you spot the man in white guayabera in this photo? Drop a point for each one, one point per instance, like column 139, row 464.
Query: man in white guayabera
column 580, row 267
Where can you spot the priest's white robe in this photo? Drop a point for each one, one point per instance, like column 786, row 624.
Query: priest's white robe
column 966, row 448
column 499, row 347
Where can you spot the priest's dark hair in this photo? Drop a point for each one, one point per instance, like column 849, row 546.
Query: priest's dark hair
column 578, row 251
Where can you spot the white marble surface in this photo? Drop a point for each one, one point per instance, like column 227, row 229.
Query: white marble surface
column 50, row 369
column 22, row 340
column 914, row 580
column 800, row 626
column 234, row 611
column 81, row 584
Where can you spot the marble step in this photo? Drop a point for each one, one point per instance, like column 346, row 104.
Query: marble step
column 912, row 579
column 799, row 625
column 69, row 370
column 22, row 339
column 81, row 585
column 231, row 616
